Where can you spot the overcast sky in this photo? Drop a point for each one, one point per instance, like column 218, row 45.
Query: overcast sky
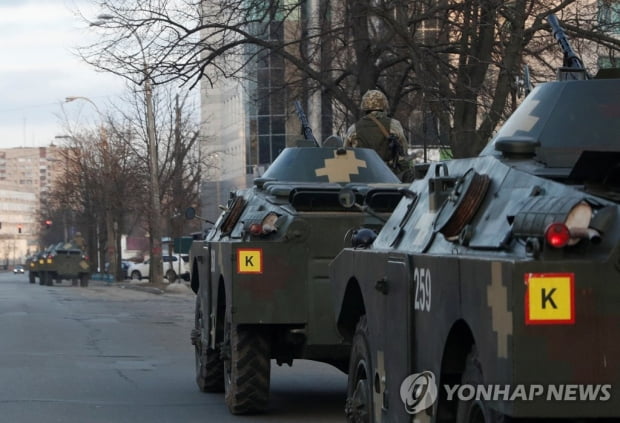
column 38, row 70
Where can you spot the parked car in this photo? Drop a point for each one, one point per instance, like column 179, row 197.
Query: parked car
column 18, row 269
column 174, row 266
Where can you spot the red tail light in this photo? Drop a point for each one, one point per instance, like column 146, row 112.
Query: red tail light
column 557, row 235
column 256, row 229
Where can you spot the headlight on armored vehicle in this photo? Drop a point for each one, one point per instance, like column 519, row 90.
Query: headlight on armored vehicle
column 266, row 226
column 560, row 221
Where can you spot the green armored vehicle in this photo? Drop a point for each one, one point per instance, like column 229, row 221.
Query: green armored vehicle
column 65, row 260
column 261, row 273
column 37, row 264
column 492, row 293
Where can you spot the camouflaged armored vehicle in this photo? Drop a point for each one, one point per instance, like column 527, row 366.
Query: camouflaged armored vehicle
column 64, row 260
column 261, row 273
column 37, row 265
column 492, row 291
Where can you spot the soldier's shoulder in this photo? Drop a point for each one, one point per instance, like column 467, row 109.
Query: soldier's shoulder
column 350, row 131
column 396, row 125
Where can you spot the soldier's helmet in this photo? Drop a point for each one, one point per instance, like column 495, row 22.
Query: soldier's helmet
column 374, row 100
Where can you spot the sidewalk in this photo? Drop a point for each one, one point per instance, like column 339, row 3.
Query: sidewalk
column 181, row 287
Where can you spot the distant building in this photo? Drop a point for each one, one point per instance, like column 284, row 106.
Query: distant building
column 245, row 125
column 26, row 176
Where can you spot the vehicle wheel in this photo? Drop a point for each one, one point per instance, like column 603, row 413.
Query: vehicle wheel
column 74, row 282
column 135, row 276
column 247, row 370
column 46, row 278
column 475, row 411
column 41, row 278
column 31, row 277
column 84, row 280
column 58, row 280
column 171, row 276
column 358, row 407
column 209, row 364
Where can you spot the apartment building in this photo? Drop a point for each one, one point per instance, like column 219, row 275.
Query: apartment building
column 26, row 176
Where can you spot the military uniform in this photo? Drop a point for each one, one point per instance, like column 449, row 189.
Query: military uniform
column 370, row 131
column 79, row 240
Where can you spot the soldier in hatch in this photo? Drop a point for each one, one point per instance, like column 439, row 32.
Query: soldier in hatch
column 79, row 240
column 378, row 131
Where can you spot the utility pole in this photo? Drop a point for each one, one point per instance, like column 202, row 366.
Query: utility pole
column 156, row 273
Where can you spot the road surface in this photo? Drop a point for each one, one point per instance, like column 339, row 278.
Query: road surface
column 114, row 355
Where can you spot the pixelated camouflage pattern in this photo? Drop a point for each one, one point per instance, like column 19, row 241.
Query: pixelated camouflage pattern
column 374, row 100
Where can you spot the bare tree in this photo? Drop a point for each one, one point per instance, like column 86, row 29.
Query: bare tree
column 178, row 155
column 448, row 67
column 100, row 172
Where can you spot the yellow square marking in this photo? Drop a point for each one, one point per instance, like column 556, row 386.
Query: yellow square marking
column 550, row 298
column 250, row 260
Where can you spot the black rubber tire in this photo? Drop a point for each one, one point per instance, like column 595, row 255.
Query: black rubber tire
column 247, row 371
column 475, row 411
column 359, row 406
column 84, row 278
column 74, row 282
column 171, row 276
column 135, row 275
column 209, row 364
column 46, row 279
column 31, row 277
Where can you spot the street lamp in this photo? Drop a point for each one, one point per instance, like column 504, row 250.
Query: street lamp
column 111, row 224
column 156, row 264
column 73, row 98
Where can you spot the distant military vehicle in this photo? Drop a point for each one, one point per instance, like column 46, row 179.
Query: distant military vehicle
column 64, row 260
column 37, row 264
column 492, row 291
column 261, row 273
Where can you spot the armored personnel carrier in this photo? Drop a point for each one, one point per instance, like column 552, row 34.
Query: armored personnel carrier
column 37, row 264
column 492, row 291
column 64, row 260
column 261, row 273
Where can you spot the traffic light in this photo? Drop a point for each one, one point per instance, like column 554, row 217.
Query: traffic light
column 19, row 229
column 48, row 223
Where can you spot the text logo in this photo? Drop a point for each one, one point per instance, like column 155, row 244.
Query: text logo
column 418, row 391
column 250, row 261
column 549, row 298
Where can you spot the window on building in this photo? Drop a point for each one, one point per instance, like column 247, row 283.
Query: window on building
column 267, row 117
column 609, row 15
column 606, row 62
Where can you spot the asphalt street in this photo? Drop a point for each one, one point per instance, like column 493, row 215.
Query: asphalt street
column 111, row 354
